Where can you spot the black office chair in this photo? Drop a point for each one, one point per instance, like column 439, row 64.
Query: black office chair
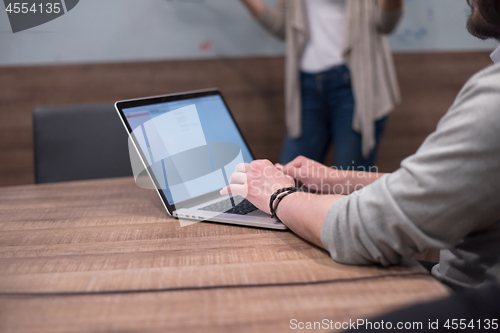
column 78, row 142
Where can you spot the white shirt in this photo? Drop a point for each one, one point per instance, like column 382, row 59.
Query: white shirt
column 326, row 35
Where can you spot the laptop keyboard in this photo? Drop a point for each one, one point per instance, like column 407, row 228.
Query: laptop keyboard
column 225, row 206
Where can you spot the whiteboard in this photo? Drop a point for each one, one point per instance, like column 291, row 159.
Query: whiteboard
column 436, row 25
column 143, row 30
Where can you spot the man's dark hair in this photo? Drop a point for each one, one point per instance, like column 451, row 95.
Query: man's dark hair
column 484, row 20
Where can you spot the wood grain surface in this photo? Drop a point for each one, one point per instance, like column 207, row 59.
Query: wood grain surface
column 104, row 256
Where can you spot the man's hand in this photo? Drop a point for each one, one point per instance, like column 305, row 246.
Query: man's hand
column 322, row 179
column 256, row 182
column 316, row 176
column 301, row 212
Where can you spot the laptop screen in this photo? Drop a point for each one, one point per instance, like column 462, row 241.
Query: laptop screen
column 175, row 136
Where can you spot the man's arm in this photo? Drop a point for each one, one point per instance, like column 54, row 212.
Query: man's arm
column 444, row 192
column 304, row 214
column 447, row 190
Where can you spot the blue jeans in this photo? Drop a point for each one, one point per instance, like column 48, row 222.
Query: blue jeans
column 327, row 115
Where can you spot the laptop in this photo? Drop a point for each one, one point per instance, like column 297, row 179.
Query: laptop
column 189, row 145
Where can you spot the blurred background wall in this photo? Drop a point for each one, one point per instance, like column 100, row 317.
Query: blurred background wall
column 103, row 51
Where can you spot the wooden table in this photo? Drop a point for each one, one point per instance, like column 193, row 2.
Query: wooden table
column 104, row 256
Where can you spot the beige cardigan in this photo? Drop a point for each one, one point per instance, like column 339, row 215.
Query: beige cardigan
column 366, row 53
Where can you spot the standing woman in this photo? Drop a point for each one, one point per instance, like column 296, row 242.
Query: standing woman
column 340, row 80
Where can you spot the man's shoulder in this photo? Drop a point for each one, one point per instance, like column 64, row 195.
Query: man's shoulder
column 488, row 77
column 483, row 88
column 476, row 109
column 489, row 71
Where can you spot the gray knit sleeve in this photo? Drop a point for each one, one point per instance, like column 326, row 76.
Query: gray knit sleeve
column 444, row 192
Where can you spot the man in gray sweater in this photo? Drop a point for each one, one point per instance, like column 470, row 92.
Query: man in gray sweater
column 447, row 195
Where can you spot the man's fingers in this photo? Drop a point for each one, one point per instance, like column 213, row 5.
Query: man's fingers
column 236, row 189
column 224, row 191
column 238, row 178
column 242, row 167
column 297, row 162
column 291, row 171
